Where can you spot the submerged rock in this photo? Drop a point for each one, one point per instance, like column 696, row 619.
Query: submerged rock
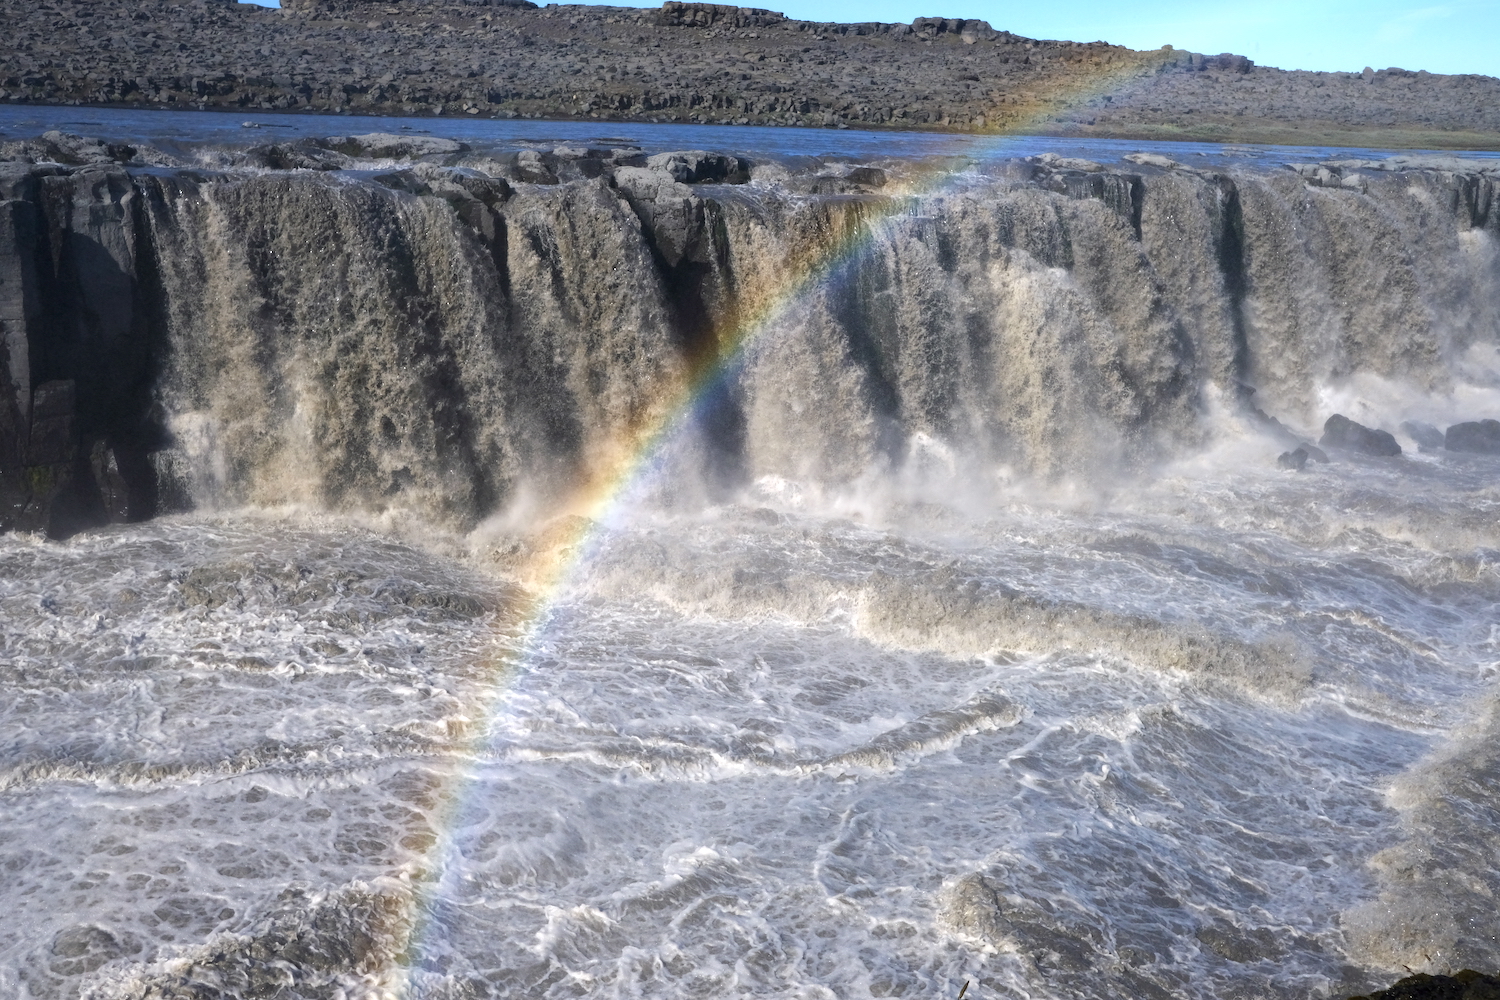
column 1292, row 460
column 1341, row 432
column 1481, row 436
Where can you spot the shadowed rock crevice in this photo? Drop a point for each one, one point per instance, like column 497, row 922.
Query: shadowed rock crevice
column 85, row 313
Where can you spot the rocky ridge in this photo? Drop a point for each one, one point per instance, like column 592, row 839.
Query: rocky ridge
column 694, row 62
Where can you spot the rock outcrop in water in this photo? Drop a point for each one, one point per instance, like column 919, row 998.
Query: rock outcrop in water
column 1481, row 436
column 467, row 333
column 1341, row 432
column 702, row 63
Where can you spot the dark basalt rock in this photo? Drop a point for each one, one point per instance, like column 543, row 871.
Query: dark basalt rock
column 1341, row 432
column 1465, row 985
column 1292, row 460
column 694, row 166
column 1428, row 437
column 304, row 155
column 705, row 15
column 1481, row 436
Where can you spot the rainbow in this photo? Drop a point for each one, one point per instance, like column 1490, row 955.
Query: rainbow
column 611, row 479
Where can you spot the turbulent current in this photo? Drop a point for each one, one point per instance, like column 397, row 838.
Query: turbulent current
column 946, row 618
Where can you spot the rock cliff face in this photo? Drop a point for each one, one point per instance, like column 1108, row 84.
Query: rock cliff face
column 462, row 335
column 701, row 62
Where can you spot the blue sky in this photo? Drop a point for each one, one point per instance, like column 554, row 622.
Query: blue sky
column 1462, row 36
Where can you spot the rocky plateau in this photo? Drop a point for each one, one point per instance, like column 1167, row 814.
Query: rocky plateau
column 695, row 62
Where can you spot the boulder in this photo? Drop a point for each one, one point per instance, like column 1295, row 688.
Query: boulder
column 1342, row 433
column 1292, row 460
column 1055, row 162
column 1427, row 437
column 69, row 150
column 533, row 167
column 977, row 31
column 304, row 155
column 1480, row 436
column 1153, row 160
column 384, row 146
column 695, row 166
column 1229, row 62
column 671, row 213
column 858, row 180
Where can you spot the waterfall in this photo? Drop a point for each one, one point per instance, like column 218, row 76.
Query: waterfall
column 440, row 341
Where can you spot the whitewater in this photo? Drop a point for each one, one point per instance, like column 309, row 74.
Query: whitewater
column 810, row 573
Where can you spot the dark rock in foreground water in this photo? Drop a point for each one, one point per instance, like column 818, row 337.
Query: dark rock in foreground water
column 1482, row 436
column 1341, row 432
column 1314, row 452
column 1465, row 985
column 1292, row 460
column 1427, row 437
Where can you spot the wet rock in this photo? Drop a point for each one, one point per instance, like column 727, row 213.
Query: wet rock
column 403, row 180
column 114, row 490
column 1465, row 985
column 1153, row 160
column 304, row 947
column 1055, row 162
column 1427, row 437
column 1478, row 436
column 695, row 166
column 1292, row 460
column 670, row 212
column 86, row 947
column 1239, row 945
column 532, row 167
column 1314, row 452
column 305, row 155
column 52, row 409
column 65, row 147
column 385, row 146
column 1343, row 433
column 859, row 180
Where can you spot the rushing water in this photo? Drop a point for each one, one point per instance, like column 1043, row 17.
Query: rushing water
column 983, row 641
